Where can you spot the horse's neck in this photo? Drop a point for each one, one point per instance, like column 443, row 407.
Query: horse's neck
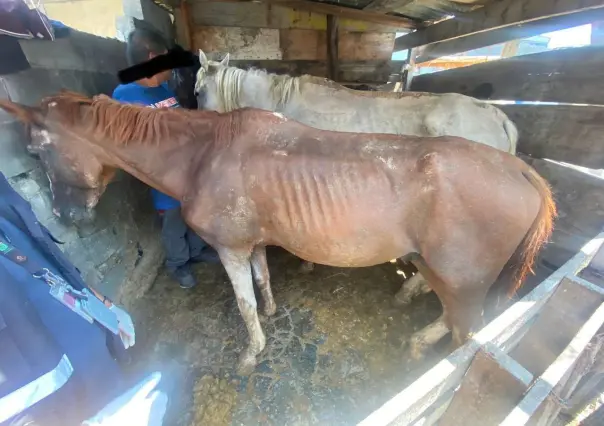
column 162, row 166
column 256, row 91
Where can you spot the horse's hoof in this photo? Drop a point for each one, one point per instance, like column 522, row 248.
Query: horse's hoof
column 307, row 267
column 401, row 300
column 247, row 364
column 417, row 348
column 270, row 309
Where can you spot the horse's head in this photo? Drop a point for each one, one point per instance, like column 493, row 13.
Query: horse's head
column 76, row 173
column 206, row 85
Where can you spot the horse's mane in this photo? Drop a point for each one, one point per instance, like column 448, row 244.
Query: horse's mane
column 121, row 123
column 229, row 81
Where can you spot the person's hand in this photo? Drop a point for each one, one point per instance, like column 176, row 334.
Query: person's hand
column 141, row 405
column 126, row 326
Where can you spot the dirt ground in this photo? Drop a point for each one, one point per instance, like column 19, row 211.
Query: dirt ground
column 336, row 349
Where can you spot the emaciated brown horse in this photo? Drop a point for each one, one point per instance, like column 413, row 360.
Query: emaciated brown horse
column 252, row 178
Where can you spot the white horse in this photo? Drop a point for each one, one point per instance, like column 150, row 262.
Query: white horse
column 324, row 104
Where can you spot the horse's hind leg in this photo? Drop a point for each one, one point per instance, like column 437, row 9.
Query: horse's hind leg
column 410, row 289
column 306, row 267
column 462, row 292
column 428, row 336
column 262, row 278
column 237, row 265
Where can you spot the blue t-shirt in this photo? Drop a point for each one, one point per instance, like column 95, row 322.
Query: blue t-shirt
column 154, row 97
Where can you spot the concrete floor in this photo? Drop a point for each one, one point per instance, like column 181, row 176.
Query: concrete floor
column 336, row 349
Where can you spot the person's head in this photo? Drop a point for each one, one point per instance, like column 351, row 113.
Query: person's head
column 144, row 44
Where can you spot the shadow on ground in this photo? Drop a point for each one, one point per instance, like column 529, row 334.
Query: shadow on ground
column 336, row 349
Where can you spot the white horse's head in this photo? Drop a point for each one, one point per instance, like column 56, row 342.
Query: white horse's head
column 221, row 88
column 207, row 88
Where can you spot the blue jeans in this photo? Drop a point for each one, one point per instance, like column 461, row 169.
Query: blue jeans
column 180, row 242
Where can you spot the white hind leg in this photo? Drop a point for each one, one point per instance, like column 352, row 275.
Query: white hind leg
column 427, row 337
column 411, row 288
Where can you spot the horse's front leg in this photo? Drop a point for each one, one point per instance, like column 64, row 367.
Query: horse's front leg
column 262, row 278
column 237, row 265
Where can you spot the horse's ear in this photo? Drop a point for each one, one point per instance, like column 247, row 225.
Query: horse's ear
column 225, row 61
column 203, row 60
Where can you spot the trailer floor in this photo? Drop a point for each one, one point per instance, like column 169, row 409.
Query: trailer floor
column 336, row 349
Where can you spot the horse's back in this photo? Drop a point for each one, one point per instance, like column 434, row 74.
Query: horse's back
column 417, row 114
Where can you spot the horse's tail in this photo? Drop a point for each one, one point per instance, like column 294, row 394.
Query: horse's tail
column 540, row 230
column 509, row 128
column 512, row 132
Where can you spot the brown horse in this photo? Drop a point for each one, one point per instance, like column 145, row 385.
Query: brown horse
column 252, row 178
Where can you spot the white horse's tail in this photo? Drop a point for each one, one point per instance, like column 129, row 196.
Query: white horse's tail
column 512, row 131
column 509, row 128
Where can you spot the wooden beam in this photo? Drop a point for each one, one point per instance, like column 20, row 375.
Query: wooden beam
column 332, row 47
column 555, row 373
column 292, row 44
column 597, row 33
column 510, row 49
column 560, row 319
column 385, row 6
column 499, row 22
column 409, row 70
column 409, row 405
column 573, row 75
column 367, row 72
column 346, row 12
column 265, row 15
column 187, row 22
column 490, row 389
column 568, row 133
column 580, row 201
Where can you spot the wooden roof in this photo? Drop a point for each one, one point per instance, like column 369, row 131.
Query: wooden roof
column 397, row 13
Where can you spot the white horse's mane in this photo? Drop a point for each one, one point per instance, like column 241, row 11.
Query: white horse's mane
column 229, row 82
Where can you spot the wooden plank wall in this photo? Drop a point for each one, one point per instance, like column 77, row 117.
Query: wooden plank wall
column 572, row 132
column 569, row 133
column 260, row 32
column 498, row 22
column 580, row 200
column 573, row 75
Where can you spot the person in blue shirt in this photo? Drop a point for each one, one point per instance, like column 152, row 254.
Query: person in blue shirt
column 181, row 244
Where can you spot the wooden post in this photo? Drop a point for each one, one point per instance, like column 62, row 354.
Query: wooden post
column 597, row 33
column 409, row 70
column 187, row 21
column 332, row 47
